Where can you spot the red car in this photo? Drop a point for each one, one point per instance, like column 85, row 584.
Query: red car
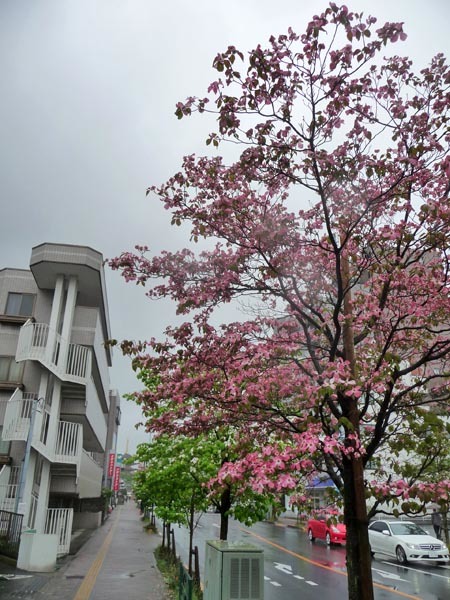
column 323, row 528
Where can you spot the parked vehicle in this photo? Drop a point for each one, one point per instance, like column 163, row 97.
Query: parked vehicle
column 405, row 541
column 323, row 528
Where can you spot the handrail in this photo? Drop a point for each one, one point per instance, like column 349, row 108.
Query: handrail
column 18, row 416
column 38, row 341
column 68, row 442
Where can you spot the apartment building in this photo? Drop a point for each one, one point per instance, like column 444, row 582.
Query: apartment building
column 56, row 423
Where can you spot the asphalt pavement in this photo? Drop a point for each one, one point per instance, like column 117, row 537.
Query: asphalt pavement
column 115, row 563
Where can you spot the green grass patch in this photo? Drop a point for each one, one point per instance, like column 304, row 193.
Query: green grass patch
column 170, row 570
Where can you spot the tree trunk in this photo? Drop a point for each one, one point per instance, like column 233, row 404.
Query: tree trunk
column 358, row 559
column 168, row 535
column 225, row 505
column 359, row 567
column 191, row 535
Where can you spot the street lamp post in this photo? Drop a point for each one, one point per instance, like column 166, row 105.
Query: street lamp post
column 37, row 402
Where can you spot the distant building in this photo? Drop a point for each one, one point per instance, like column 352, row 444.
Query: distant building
column 58, row 418
column 114, row 417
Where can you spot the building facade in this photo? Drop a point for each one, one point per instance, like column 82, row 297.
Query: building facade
column 55, row 403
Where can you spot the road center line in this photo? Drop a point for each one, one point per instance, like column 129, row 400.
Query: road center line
column 317, row 564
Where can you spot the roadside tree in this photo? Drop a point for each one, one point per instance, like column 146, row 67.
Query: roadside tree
column 172, row 482
column 180, row 481
column 335, row 220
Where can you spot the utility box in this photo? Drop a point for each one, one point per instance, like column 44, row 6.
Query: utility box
column 233, row 571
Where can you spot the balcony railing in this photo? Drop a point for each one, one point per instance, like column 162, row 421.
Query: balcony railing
column 69, row 443
column 69, row 362
column 18, row 416
column 64, row 447
column 9, row 486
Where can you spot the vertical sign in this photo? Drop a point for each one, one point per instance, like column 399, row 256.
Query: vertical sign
column 111, row 464
column 116, row 479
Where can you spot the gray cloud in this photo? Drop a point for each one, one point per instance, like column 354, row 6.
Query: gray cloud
column 87, row 124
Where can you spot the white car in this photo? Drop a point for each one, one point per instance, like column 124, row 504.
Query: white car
column 405, row 541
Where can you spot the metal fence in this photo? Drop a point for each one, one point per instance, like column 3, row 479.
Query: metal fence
column 10, row 530
column 184, row 584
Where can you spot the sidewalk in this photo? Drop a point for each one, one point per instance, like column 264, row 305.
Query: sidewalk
column 116, row 563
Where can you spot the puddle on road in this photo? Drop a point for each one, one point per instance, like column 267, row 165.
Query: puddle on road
column 133, row 574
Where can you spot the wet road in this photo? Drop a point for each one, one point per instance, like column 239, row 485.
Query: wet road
column 296, row 568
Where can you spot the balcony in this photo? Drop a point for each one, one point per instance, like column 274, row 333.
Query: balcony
column 81, row 404
column 87, row 485
column 69, row 444
column 69, row 362
column 62, row 446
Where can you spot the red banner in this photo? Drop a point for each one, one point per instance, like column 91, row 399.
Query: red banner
column 116, row 485
column 112, row 459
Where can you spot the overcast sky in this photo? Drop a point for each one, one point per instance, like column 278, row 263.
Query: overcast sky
column 88, row 90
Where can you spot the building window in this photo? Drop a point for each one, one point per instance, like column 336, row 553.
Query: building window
column 20, row 304
column 10, row 370
column 38, row 470
column 4, row 446
column 44, row 427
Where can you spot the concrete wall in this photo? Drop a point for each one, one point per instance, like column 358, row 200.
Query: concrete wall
column 86, row 520
column 90, row 478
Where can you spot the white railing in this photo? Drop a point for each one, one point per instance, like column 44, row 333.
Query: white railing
column 69, row 444
column 78, row 361
column 9, row 484
column 70, row 362
column 69, row 441
column 33, row 340
column 18, row 416
column 59, row 522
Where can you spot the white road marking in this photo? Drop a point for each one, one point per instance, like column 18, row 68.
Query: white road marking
column 389, row 575
column 287, row 569
column 418, row 570
column 284, row 568
column 275, row 584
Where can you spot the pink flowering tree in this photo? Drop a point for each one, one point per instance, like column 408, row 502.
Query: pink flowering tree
column 210, row 457
column 333, row 224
